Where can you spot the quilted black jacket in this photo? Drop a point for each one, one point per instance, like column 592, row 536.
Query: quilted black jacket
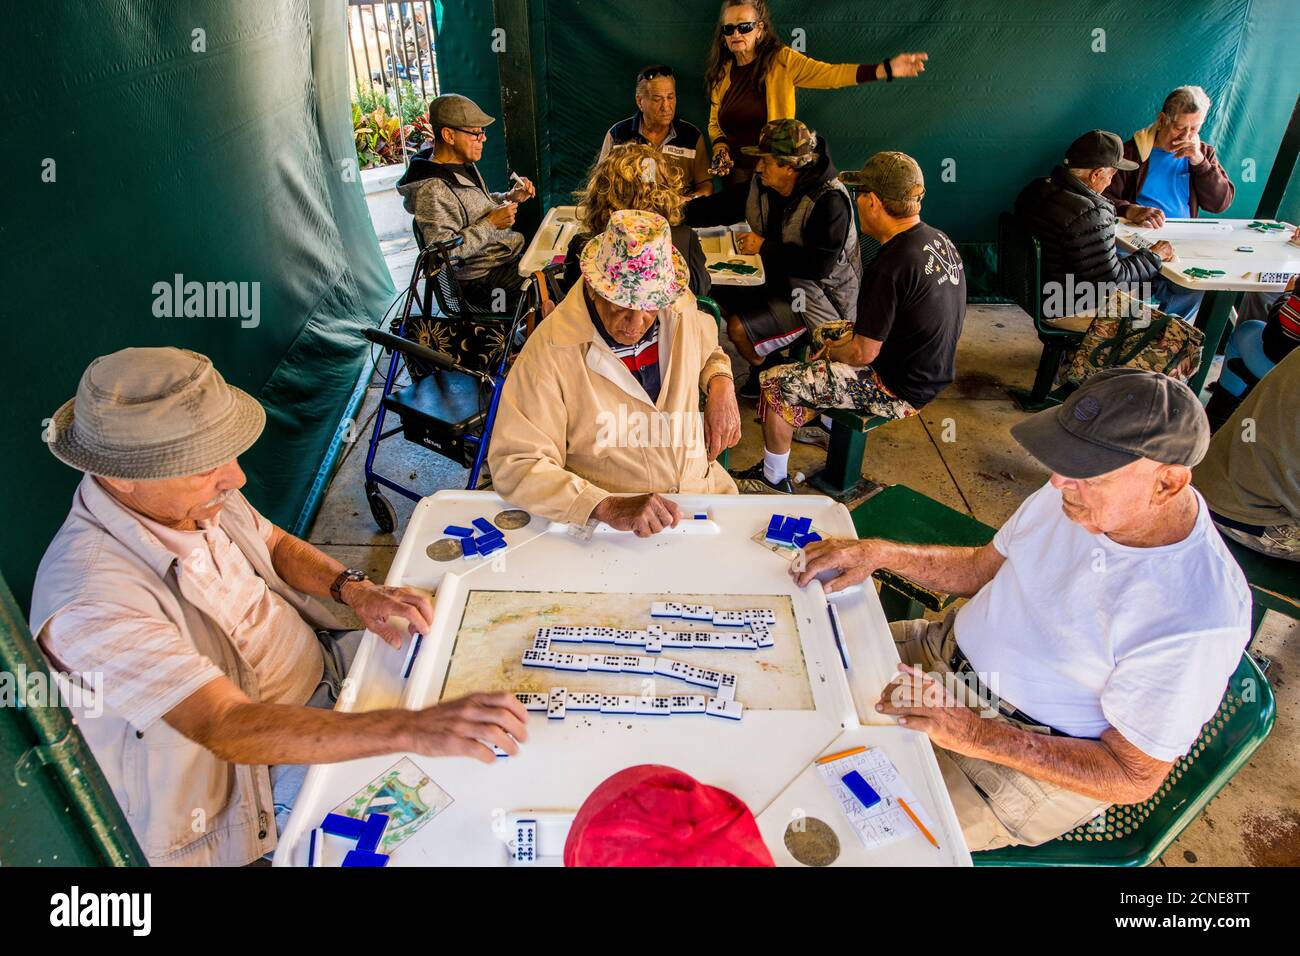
column 1076, row 229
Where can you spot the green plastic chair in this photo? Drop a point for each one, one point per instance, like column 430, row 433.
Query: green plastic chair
column 1137, row 834
column 898, row 513
column 1020, row 279
column 708, row 305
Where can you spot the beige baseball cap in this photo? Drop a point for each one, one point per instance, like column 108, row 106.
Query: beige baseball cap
column 890, row 175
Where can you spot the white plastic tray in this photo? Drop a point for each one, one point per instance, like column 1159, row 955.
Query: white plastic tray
column 563, row 761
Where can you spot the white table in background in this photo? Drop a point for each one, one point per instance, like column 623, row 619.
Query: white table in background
column 757, row 758
column 1212, row 243
column 551, row 240
column 719, row 244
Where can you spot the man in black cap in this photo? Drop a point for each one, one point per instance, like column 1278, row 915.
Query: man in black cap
column 1075, row 225
column 445, row 192
column 1104, row 619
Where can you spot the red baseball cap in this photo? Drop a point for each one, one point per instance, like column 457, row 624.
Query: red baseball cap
column 652, row 815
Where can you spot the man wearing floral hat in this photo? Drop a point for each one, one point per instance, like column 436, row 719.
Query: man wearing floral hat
column 600, row 415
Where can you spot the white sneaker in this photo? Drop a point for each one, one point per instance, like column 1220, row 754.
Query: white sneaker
column 813, row 435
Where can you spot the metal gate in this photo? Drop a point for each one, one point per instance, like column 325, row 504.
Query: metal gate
column 392, row 44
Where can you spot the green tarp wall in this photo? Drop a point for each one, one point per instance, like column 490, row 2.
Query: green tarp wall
column 233, row 162
column 1009, row 85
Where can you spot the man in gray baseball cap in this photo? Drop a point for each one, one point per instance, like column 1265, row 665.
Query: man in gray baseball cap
column 192, row 619
column 1104, row 619
column 445, row 192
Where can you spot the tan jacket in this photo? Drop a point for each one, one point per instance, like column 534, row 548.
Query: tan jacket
column 185, row 805
column 575, row 426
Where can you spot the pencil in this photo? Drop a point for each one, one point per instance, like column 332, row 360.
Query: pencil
column 919, row 825
column 843, row 753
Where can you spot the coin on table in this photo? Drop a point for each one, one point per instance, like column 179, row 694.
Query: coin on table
column 512, row 519
column 812, row 842
column 445, row 549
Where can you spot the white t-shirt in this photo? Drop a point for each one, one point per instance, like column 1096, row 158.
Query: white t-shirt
column 1080, row 632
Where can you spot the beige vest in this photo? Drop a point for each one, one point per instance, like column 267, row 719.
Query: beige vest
column 185, row 805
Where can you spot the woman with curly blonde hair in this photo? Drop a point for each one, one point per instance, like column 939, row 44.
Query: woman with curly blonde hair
column 635, row 176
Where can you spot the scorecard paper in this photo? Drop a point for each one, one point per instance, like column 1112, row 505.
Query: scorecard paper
column 886, row 822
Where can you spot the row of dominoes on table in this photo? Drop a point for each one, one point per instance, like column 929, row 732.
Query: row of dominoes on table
column 633, row 664
column 558, row 701
column 655, row 638
column 706, row 614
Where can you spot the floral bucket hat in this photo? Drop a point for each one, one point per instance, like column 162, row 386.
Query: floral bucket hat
column 633, row 263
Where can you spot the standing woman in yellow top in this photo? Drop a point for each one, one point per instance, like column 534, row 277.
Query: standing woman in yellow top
column 752, row 75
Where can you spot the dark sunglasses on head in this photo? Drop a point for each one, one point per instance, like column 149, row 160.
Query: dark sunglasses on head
column 651, row 72
column 747, row 27
column 475, row 133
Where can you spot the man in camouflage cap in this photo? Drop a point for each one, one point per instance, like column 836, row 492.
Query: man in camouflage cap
column 786, row 140
column 801, row 219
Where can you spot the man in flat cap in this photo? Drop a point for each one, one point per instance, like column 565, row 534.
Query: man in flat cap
column 192, row 617
column 1104, row 620
column 445, row 192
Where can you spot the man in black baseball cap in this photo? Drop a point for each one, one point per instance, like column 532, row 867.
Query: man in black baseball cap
column 1104, row 619
column 1075, row 226
column 1098, row 149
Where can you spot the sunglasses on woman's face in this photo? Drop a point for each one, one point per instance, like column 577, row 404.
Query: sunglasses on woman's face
column 744, row 28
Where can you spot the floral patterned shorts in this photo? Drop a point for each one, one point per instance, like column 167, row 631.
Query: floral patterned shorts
column 800, row 391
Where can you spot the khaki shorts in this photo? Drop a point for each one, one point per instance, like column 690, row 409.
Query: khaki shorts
column 996, row 806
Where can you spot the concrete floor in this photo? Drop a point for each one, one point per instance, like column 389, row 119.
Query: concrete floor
column 958, row 451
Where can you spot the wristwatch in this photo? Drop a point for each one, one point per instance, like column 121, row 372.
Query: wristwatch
column 346, row 575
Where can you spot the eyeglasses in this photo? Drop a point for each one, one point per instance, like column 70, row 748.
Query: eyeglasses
column 747, row 27
column 472, row 133
column 651, row 72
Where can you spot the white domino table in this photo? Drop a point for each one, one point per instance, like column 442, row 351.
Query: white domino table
column 758, row 758
column 550, row 244
column 1215, row 243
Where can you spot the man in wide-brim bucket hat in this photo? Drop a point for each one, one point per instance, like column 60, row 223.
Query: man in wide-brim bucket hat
column 192, row 619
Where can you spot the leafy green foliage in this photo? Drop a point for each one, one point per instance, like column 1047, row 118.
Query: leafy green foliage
column 379, row 132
